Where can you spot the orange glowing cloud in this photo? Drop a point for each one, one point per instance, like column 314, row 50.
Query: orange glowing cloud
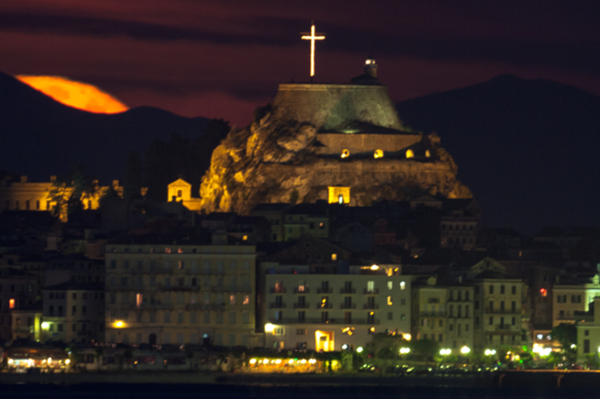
column 75, row 94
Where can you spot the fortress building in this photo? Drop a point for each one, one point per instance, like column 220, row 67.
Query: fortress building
column 341, row 143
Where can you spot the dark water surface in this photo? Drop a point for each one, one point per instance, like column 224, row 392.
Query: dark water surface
column 210, row 391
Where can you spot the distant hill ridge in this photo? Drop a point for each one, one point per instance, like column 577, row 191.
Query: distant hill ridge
column 41, row 136
column 527, row 148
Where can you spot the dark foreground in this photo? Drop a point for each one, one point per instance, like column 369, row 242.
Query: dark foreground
column 226, row 391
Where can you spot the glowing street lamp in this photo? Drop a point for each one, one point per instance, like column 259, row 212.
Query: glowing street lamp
column 404, row 351
column 445, row 352
column 359, row 349
column 465, row 350
column 490, row 352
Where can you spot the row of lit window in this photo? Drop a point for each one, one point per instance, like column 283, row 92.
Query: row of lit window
column 185, row 250
column 150, row 300
column 168, row 265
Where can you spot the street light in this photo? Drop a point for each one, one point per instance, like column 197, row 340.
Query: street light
column 445, row 352
column 489, row 352
column 359, row 349
column 465, row 349
column 404, row 350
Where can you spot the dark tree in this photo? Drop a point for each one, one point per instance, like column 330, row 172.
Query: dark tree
column 132, row 183
column 566, row 334
column 182, row 158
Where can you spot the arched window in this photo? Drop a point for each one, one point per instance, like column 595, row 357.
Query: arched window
column 378, row 154
column 427, row 154
column 410, row 154
column 340, row 199
column 345, row 154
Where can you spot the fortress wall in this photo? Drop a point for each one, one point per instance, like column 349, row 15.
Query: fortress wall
column 356, row 143
column 330, row 105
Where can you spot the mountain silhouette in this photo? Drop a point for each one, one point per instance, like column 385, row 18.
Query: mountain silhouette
column 527, row 148
column 40, row 137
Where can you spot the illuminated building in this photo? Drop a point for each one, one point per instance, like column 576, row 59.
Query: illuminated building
column 184, row 286
column 499, row 313
column 588, row 331
column 325, row 312
column 570, row 297
column 339, row 195
column 23, row 195
column 181, row 191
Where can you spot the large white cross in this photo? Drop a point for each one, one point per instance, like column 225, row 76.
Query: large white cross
column 312, row 39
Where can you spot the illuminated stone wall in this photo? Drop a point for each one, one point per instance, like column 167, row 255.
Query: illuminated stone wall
column 335, row 143
column 328, row 106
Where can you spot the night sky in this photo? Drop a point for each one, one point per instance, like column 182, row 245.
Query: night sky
column 224, row 58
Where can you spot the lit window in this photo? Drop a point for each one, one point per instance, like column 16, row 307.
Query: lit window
column 390, row 300
column 232, row 299
column 402, row 285
column 244, row 238
column 378, row 154
column 390, row 285
column 410, row 154
column 11, row 303
column 246, row 300
column 427, row 153
column 543, row 292
column 333, row 256
column 168, row 250
column 180, row 250
column 139, row 298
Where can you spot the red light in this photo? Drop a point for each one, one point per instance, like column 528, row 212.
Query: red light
column 543, row 292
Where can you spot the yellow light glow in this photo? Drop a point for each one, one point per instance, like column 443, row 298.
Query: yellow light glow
column 269, row 327
column 278, row 361
column 303, row 361
column 372, row 329
column 407, row 337
column 75, row 94
column 45, row 325
column 410, row 154
column 345, row 154
column 378, row 154
column 291, row 361
column 389, row 301
column 359, row 349
column 265, row 361
column 333, row 256
column 68, row 361
column 465, row 349
column 374, row 267
column 252, row 361
column 312, row 39
column 427, row 153
column 244, row 238
column 119, row 324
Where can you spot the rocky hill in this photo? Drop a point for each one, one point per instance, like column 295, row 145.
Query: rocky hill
column 276, row 159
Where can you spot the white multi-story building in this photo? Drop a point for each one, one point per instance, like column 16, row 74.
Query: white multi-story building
column 180, row 288
column 332, row 312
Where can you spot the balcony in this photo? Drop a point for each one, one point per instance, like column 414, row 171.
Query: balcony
column 371, row 306
column 502, row 311
column 324, row 290
column 432, row 314
column 229, row 288
column 198, row 306
column 275, row 290
column 318, row 320
column 303, row 290
column 275, row 305
column 152, row 306
column 348, row 291
column 373, row 291
column 301, row 306
column 348, row 306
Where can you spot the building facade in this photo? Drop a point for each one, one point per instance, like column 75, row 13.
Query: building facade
column 333, row 312
column 172, row 289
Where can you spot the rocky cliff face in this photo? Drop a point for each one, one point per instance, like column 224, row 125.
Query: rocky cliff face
column 274, row 160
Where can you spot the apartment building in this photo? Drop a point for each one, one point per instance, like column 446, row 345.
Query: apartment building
column 572, row 297
column 429, row 315
column 333, row 312
column 73, row 312
column 18, row 293
column 498, row 311
column 184, row 286
column 588, row 331
column 460, row 324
